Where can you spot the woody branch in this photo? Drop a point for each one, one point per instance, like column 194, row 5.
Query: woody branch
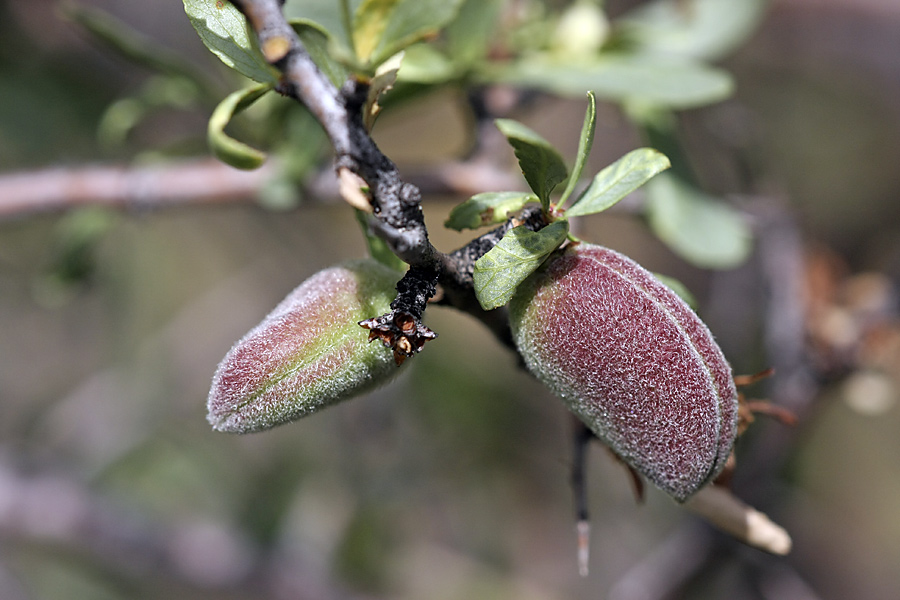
column 396, row 205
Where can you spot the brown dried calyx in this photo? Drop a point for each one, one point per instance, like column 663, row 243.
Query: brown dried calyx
column 400, row 331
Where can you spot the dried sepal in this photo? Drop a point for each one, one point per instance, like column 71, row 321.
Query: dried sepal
column 399, row 331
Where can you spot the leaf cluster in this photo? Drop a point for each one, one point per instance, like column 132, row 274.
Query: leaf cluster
column 521, row 251
column 475, row 42
column 651, row 61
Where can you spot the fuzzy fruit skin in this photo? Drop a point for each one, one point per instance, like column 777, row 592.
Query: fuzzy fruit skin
column 308, row 353
column 632, row 361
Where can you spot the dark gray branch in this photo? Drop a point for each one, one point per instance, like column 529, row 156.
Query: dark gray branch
column 396, row 204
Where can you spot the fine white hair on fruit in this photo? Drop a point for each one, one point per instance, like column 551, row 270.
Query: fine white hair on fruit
column 308, row 353
column 632, row 361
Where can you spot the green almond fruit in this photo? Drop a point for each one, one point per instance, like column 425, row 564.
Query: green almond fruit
column 308, row 353
column 632, row 361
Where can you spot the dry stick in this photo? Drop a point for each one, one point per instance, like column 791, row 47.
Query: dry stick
column 396, row 204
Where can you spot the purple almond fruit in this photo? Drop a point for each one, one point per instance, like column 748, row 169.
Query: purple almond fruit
column 308, row 353
column 632, row 361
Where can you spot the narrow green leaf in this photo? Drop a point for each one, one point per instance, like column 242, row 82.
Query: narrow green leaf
column 157, row 92
column 316, row 40
column 227, row 149
column 541, row 164
column 381, row 28
column 678, row 84
column 130, row 43
column 369, row 24
column 223, row 29
column 378, row 249
column 701, row 229
column 487, row 208
column 584, row 147
column 500, row 271
column 618, row 180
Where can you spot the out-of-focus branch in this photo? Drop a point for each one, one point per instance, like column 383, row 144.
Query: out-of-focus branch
column 59, row 512
column 202, row 181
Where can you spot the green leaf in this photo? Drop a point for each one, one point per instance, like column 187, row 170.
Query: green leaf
column 422, row 63
column 701, row 29
column 160, row 91
column 701, row 229
column 487, row 208
column 227, row 149
column 381, row 28
column 584, row 147
column 223, row 30
column 540, row 162
column 329, row 16
column 469, row 36
column 618, row 180
column 666, row 82
column 378, row 249
column 500, row 271
column 316, row 40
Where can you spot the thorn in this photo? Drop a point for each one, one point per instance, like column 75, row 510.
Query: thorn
column 584, row 546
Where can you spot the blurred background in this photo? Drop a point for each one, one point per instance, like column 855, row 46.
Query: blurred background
column 453, row 481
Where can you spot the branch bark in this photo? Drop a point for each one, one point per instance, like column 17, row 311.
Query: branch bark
column 396, row 204
column 204, row 181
